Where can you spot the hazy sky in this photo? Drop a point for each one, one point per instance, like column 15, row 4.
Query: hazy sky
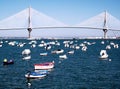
column 67, row 11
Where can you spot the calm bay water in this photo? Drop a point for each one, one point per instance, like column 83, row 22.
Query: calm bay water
column 81, row 70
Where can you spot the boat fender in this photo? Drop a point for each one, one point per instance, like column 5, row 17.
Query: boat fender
column 5, row 60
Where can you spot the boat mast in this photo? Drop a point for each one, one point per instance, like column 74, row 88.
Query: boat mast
column 105, row 27
column 29, row 23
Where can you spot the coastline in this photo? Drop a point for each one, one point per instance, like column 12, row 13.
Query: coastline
column 52, row 38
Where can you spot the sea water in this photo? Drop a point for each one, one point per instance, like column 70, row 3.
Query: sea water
column 81, row 70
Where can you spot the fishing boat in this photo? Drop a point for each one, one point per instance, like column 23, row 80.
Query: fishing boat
column 103, row 54
column 43, row 66
column 6, row 62
column 33, row 75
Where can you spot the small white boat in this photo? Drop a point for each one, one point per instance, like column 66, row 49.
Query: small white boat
column 71, row 52
column 48, row 47
column 43, row 54
column 44, row 66
column 108, row 47
column 33, row 45
column 0, row 45
column 58, row 51
column 77, row 47
column 41, row 45
column 103, row 54
column 102, row 42
column 33, row 42
column 12, row 43
column 67, row 45
column 63, row 56
column 116, row 46
column 21, row 44
column 111, row 43
column 82, row 44
column 26, row 57
column 84, row 48
column 26, row 52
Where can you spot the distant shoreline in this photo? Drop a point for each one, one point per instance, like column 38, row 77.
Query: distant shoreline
column 38, row 38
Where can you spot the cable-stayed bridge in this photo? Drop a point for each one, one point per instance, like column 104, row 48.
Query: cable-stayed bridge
column 31, row 20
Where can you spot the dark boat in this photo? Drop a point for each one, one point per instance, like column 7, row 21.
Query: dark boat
column 8, row 62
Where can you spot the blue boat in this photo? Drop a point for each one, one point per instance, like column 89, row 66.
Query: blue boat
column 33, row 75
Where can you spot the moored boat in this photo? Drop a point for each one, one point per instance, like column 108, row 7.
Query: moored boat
column 71, row 52
column 6, row 62
column 26, row 52
column 43, row 66
column 103, row 54
column 63, row 56
column 43, row 54
column 26, row 57
column 33, row 75
column 58, row 51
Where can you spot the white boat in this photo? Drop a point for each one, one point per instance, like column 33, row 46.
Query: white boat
column 77, row 47
column 43, row 54
column 0, row 45
column 84, row 48
column 108, row 47
column 102, row 42
column 116, row 46
column 26, row 52
column 67, row 45
column 58, row 51
column 111, row 43
column 71, row 52
column 103, row 54
column 33, row 45
column 41, row 45
column 63, row 56
column 26, row 57
column 12, row 43
column 33, row 42
column 44, row 66
column 82, row 44
column 48, row 47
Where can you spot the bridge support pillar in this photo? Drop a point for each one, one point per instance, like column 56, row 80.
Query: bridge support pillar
column 29, row 32
column 105, row 33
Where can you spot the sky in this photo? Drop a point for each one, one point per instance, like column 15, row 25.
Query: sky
column 67, row 11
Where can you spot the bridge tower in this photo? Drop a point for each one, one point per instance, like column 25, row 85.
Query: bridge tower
column 105, row 26
column 29, row 24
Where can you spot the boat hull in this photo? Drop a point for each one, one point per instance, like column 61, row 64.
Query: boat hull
column 44, row 66
column 104, row 57
column 8, row 63
column 35, row 76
